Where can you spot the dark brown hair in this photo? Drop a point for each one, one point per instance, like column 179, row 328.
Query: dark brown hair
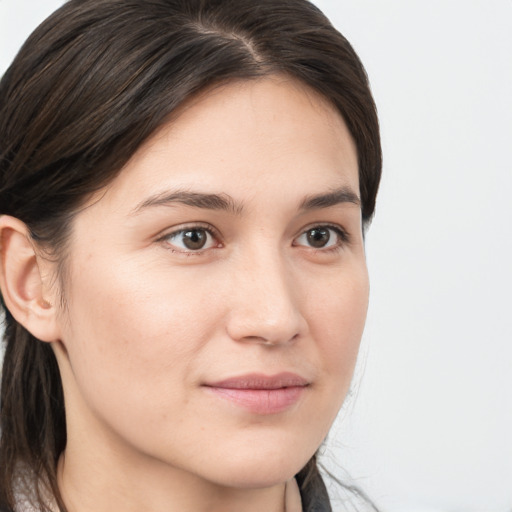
column 89, row 86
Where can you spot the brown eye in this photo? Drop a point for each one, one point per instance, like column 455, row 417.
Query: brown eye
column 194, row 239
column 191, row 239
column 318, row 237
column 322, row 237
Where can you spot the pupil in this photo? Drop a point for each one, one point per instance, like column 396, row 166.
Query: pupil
column 318, row 237
column 194, row 239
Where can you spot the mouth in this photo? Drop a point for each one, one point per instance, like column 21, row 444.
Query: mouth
column 261, row 394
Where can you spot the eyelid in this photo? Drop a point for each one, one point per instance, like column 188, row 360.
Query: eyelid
column 341, row 233
column 164, row 237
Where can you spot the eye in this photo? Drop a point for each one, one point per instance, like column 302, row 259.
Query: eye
column 191, row 239
column 322, row 237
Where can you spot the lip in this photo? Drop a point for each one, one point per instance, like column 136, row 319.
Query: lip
column 259, row 393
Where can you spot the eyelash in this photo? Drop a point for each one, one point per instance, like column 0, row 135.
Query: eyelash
column 342, row 235
column 210, row 230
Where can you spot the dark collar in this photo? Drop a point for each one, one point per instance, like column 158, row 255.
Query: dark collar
column 314, row 495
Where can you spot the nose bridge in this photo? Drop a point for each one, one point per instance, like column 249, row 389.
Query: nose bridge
column 266, row 307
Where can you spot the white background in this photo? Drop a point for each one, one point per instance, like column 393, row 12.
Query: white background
column 431, row 426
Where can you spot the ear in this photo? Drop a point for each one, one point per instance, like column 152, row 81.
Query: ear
column 25, row 281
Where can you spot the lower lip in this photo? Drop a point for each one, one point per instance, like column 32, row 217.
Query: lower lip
column 261, row 401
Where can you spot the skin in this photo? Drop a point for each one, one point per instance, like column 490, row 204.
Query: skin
column 148, row 321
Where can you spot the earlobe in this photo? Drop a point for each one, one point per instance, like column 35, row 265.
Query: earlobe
column 24, row 290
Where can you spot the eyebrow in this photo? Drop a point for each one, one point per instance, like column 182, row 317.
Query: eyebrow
column 225, row 202
column 333, row 198
column 194, row 199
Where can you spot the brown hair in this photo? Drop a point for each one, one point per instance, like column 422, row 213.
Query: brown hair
column 89, row 86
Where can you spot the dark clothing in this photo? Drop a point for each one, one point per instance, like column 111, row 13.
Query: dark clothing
column 314, row 496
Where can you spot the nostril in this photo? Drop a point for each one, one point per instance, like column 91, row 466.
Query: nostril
column 271, row 340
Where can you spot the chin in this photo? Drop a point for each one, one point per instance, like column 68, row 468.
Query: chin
column 254, row 472
column 248, row 479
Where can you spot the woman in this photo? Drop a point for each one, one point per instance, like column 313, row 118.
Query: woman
column 185, row 186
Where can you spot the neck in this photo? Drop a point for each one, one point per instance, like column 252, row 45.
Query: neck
column 103, row 489
column 99, row 477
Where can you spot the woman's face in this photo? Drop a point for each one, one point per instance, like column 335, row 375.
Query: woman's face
column 216, row 291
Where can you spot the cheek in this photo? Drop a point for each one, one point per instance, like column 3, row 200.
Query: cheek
column 135, row 333
column 338, row 318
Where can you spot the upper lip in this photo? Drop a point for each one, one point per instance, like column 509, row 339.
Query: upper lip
column 261, row 381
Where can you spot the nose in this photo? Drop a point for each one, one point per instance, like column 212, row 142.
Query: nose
column 266, row 303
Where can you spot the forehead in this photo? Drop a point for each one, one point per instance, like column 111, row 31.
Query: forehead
column 243, row 137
